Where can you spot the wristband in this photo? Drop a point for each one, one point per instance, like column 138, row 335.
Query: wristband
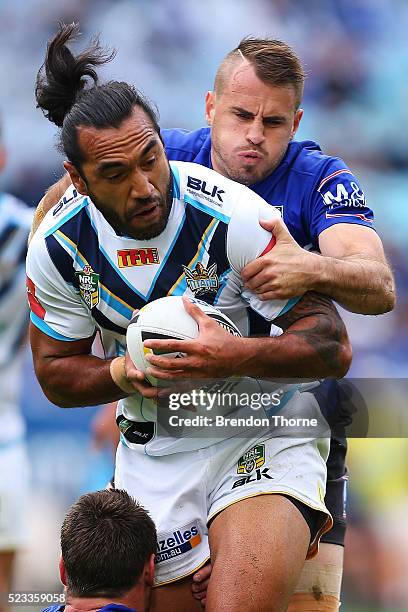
column 118, row 374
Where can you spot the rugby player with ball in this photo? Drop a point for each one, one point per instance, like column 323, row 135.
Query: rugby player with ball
column 132, row 229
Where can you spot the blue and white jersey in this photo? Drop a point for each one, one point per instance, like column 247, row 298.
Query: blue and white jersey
column 312, row 191
column 15, row 223
column 83, row 277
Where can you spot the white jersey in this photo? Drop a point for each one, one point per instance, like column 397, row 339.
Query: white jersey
column 15, row 223
column 84, row 277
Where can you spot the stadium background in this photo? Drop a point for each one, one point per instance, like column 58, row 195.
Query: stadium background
column 356, row 106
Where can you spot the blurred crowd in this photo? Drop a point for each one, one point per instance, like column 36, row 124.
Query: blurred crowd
column 355, row 54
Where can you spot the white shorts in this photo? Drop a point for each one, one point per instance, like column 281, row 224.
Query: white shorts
column 13, row 496
column 184, row 491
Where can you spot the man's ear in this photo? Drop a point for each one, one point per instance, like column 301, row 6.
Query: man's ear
column 210, row 106
column 62, row 572
column 296, row 121
column 76, row 179
column 149, row 571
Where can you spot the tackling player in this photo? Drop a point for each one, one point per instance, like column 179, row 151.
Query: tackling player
column 108, row 543
column 124, row 196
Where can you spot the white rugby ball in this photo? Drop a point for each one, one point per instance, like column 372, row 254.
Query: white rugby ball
column 164, row 319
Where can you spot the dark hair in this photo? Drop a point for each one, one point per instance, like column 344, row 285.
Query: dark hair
column 67, row 98
column 274, row 62
column 106, row 539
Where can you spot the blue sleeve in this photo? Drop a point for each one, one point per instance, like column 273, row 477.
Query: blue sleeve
column 338, row 198
column 182, row 145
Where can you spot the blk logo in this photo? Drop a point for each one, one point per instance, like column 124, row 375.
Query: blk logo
column 199, row 185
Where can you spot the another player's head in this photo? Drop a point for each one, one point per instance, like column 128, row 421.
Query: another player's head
column 254, row 108
column 108, row 543
column 110, row 136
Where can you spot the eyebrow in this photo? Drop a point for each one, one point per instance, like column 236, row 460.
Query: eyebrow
column 104, row 166
column 244, row 111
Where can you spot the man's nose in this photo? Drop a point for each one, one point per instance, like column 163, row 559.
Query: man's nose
column 255, row 133
column 141, row 186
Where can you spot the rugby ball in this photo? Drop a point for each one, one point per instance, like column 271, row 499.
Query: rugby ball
column 164, row 319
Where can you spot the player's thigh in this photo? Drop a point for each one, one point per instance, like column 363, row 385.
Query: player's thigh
column 318, row 588
column 258, row 547
column 174, row 597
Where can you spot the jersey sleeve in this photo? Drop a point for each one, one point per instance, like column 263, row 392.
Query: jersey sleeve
column 247, row 240
column 56, row 308
column 338, row 198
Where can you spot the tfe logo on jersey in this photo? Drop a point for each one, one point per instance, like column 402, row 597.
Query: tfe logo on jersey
column 137, row 257
column 177, row 542
column 199, row 185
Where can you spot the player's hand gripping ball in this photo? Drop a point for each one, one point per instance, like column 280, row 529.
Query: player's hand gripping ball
column 166, row 319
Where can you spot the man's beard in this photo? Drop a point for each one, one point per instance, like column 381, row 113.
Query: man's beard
column 145, row 233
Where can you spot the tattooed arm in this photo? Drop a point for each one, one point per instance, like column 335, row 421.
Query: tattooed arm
column 315, row 340
column 313, row 345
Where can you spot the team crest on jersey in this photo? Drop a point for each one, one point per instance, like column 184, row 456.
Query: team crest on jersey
column 88, row 282
column 253, row 458
column 201, row 280
column 137, row 257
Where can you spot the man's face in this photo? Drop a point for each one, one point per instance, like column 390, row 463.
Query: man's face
column 251, row 125
column 127, row 175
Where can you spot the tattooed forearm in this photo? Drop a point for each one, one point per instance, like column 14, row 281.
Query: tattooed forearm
column 315, row 320
column 314, row 343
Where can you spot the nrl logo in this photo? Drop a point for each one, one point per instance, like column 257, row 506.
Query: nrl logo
column 200, row 280
column 253, row 458
column 88, row 282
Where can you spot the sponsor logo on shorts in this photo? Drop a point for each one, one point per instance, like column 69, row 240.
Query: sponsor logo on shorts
column 201, row 280
column 176, row 543
column 137, row 257
column 258, row 475
column 88, row 283
column 253, row 458
column 279, row 207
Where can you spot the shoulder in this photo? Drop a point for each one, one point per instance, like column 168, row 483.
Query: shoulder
column 69, row 206
column 203, row 187
column 183, row 144
column 306, row 157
